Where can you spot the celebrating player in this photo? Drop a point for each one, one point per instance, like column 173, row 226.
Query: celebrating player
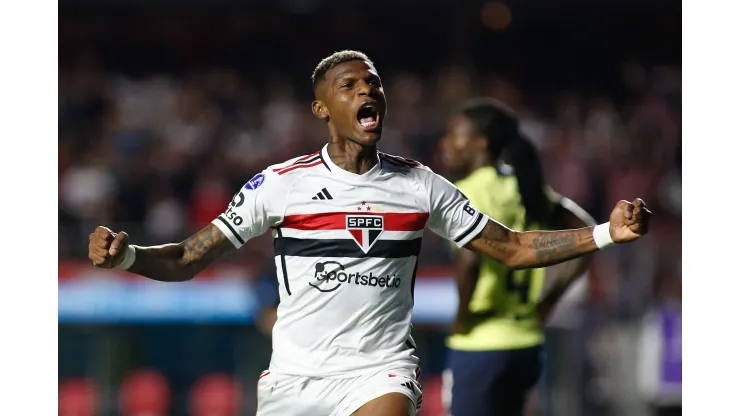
column 495, row 346
column 347, row 223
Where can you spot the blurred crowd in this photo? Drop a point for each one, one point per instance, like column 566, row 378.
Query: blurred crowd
column 161, row 155
column 161, row 121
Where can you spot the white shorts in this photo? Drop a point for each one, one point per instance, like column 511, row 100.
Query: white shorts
column 286, row 395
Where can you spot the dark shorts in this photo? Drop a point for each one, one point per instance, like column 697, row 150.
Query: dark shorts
column 491, row 383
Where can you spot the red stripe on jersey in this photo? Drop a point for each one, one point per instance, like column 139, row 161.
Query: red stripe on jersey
column 286, row 170
column 308, row 156
column 263, row 374
column 300, row 159
column 393, row 221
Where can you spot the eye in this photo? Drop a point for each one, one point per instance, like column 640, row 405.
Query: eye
column 346, row 85
column 374, row 82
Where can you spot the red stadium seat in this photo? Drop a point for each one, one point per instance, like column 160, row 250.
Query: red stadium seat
column 145, row 392
column 216, row 395
column 78, row 397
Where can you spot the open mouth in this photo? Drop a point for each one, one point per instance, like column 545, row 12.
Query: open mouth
column 368, row 116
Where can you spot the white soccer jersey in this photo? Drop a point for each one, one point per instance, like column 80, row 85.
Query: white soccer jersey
column 346, row 248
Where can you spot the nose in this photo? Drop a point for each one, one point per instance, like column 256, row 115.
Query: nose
column 364, row 89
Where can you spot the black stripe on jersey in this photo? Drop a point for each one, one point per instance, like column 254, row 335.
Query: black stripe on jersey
column 328, row 196
column 305, row 162
column 391, row 249
column 321, row 155
column 280, row 248
column 233, row 231
column 470, row 230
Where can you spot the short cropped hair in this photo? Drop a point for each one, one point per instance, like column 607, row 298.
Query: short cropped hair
column 335, row 59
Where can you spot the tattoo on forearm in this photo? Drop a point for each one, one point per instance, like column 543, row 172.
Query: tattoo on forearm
column 533, row 248
column 179, row 262
column 552, row 246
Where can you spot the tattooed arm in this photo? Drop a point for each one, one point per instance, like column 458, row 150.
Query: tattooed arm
column 567, row 214
column 257, row 206
column 532, row 249
column 166, row 263
column 526, row 250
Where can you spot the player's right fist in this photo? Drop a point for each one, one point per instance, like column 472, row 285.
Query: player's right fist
column 107, row 248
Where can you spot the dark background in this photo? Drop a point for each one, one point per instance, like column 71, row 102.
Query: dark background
column 166, row 108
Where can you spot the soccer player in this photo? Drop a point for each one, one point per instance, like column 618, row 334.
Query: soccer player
column 495, row 346
column 347, row 223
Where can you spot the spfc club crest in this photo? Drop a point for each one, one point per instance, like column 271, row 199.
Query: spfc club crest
column 365, row 229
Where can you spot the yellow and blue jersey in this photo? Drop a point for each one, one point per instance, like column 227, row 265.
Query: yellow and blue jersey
column 505, row 297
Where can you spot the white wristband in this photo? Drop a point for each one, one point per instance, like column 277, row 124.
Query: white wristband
column 128, row 258
column 602, row 238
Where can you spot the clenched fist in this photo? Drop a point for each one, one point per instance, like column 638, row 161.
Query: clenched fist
column 107, row 248
column 629, row 221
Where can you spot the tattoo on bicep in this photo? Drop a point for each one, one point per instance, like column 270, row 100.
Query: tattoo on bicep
column 209, row 241
column 548, row 246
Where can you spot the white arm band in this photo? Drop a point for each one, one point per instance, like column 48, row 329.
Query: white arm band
column 128, row 258
column 602, row 238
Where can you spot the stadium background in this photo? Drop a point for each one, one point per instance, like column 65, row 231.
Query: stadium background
column 166, row 108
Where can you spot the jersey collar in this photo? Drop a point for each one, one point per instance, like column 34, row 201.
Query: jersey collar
column 349, row 176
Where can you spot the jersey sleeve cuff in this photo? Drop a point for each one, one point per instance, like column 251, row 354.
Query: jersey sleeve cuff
column 228, row 231
column 480, row 222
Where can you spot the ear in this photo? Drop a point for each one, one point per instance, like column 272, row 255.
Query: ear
column 320, row 110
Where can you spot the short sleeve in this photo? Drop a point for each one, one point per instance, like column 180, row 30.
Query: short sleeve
column 451, row 215
column 258, row 206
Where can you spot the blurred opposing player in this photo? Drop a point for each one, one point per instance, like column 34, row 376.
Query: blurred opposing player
column 495, row 347
column 347, row 222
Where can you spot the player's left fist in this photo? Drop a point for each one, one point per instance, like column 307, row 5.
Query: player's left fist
column 629, row 221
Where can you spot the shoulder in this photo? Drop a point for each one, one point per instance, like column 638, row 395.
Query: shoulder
column 292, row 169
column 483, row 179
column 404, row 165
column 281, row 176
column 297, row 164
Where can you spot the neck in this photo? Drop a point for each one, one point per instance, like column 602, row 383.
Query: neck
column 480, row 160
column 351, row 156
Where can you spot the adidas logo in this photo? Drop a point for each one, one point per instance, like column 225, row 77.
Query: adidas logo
column 324, row 194
column 409, row 385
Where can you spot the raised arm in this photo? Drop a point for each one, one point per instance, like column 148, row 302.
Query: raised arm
column 254, row 208
column 166, row 263
column 533, row 249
